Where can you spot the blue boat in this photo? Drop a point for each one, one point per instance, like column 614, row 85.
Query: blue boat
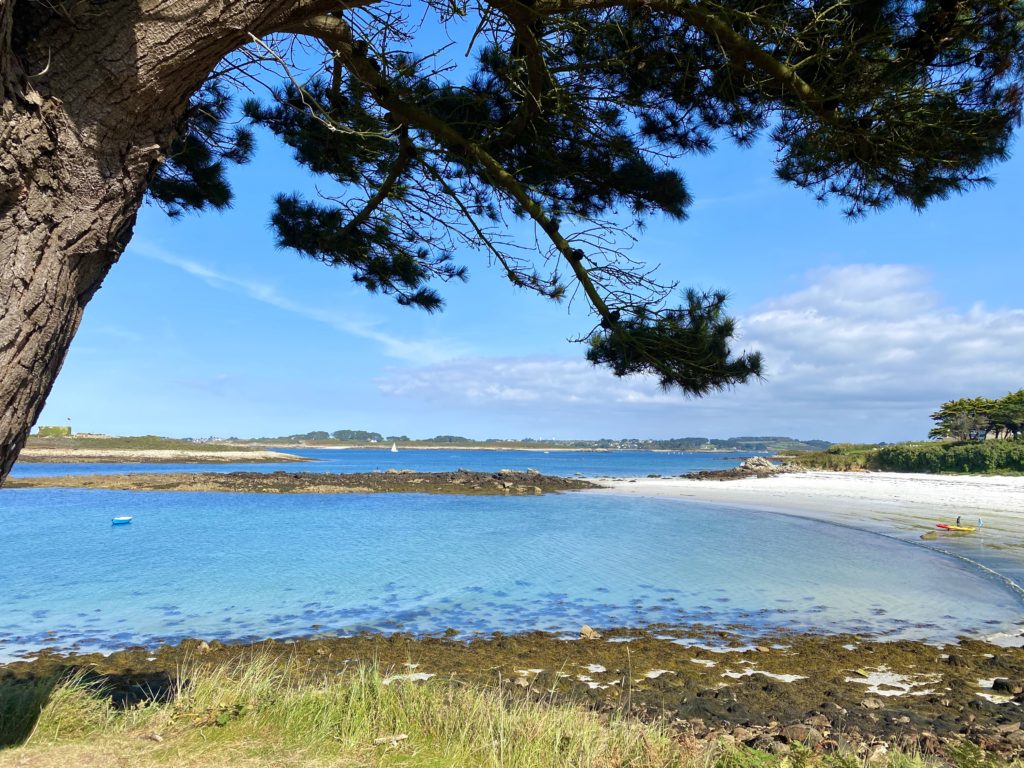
column 123, row 520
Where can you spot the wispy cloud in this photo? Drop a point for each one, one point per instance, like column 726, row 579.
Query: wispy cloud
column 860, row 350
column 429, row 351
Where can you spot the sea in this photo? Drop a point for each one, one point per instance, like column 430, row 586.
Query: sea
column 244, row 567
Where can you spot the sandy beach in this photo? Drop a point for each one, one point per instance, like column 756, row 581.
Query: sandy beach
column 900, row 502
column 905, row 506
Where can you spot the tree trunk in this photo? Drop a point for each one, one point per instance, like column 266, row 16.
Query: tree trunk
column 90, row 94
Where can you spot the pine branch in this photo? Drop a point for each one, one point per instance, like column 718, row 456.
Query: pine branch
column 337, row 34
column 712, row 25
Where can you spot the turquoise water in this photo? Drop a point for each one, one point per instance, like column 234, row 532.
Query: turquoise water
column 565, row 463
column 247, row 566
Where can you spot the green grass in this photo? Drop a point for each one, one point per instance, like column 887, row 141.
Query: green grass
column 137, row 443
column 263, row 713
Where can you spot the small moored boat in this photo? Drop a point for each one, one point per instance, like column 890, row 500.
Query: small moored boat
column 122, row 520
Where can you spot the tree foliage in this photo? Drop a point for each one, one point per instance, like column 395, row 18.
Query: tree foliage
column 979, row 417
column 572, row 116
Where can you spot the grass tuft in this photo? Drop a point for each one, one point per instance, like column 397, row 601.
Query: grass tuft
column 260, row 712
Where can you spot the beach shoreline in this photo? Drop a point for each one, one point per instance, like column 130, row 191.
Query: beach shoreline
column 890, row 501
column 902, row 506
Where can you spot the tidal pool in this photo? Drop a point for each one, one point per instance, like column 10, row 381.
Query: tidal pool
column 250, row 566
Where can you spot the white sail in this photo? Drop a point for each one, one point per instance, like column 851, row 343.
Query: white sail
column 394, row 448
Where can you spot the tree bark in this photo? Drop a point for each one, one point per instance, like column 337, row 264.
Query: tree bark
column 90, row 95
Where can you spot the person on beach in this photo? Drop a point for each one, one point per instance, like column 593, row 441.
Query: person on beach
column 958, row 521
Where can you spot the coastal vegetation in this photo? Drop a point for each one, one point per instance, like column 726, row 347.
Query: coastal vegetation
column 972, row 457
column 115, row 443
column 977, row 435
column 530, row 701
column 265, row 713
column 980, row 418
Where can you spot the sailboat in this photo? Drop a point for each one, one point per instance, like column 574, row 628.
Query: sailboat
column 394, row 448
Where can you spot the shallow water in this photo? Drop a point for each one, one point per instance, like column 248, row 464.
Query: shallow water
column 564, row 463
column 249, row 566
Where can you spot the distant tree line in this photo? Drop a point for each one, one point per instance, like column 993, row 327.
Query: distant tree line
column 980, row 418
column 746, row 443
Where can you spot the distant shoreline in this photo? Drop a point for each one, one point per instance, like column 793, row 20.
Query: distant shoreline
column 152, row 456
column 382, row 447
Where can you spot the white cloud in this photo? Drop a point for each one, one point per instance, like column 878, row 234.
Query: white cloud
column 413, row 350
column 875, row 334
column 862, row 352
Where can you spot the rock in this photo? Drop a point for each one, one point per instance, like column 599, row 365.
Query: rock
column 203, row 647
column 740, row 733
column 930, row 536
column 1005, row 685
column 872, row 703
column 762, row 649
column 876, row 752
column 805, row 734
column 589, row 633
column 698, row 726
column 1016, row 738
column 537, row 490
column 903, row 720
column 1008, row 727
column 767, row 744
column 819, row 721
column 758, row 464
column 955, row 660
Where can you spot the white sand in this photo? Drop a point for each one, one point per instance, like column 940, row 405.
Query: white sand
column 884, row 502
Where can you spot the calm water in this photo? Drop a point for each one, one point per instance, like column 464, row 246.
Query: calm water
column 565, row 463
column 239, row 566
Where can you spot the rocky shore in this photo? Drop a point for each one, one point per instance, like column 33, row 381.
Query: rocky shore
column 825, row 693
column 505, row 482
column 755, row 466
column 152, row 456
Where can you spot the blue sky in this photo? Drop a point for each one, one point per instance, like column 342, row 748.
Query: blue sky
column 205, row 328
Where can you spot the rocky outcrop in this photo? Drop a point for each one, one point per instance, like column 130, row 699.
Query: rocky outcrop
column 755, row 466
column 461, row 482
